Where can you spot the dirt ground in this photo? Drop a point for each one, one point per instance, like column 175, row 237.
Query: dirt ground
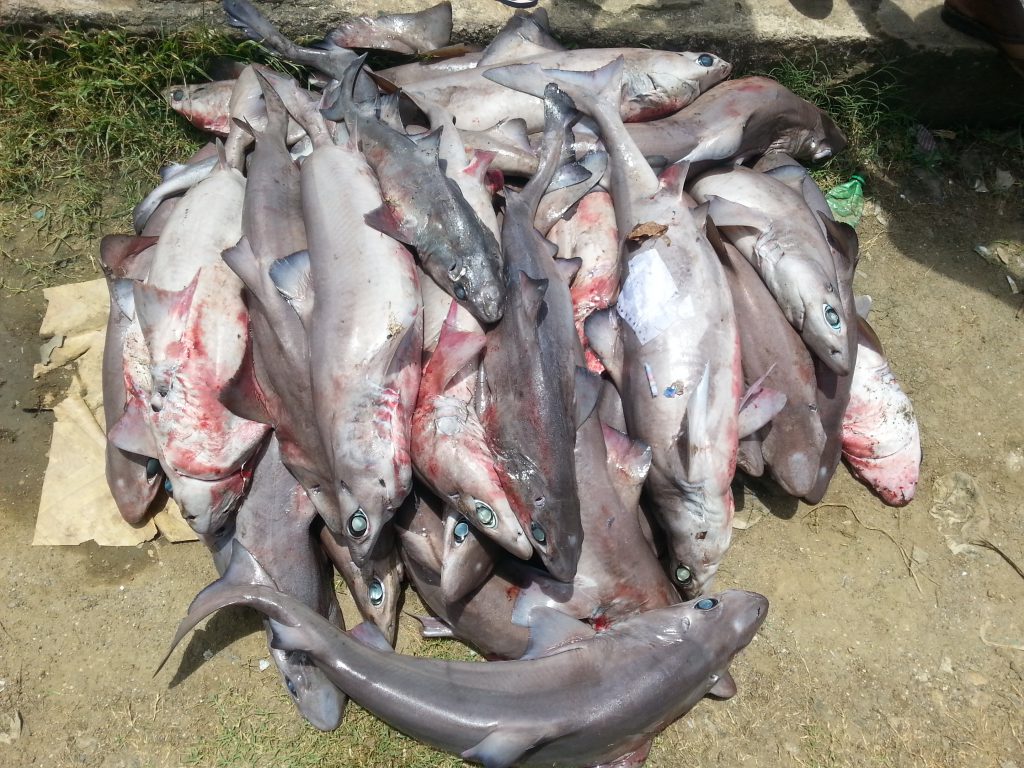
column 882, row 647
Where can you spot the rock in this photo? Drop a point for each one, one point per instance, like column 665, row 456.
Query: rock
column 11, row 726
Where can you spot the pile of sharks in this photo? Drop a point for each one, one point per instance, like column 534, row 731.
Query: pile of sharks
column 500, row 324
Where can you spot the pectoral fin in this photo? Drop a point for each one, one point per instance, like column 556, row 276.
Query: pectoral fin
column 502, row 747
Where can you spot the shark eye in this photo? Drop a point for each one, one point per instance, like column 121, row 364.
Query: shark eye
column 460, row 292
column 152, row 469
column 357, row 524
column 291, row 687
column 538, row 533
column 178, row 94
column 376, row 592
column 683, row 576
column 706, row 604
column 168, row 488
column 485, row 515
column 705, row 59
column 832, row 317
column 461, row 531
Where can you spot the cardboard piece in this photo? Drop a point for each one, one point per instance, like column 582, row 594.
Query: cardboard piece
column 76, row 505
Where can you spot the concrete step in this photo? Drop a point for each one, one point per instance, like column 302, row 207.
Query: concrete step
column 946, row 77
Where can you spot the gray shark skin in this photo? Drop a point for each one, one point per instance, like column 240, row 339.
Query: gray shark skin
column 481, row 619
column 419, row 32
column 425, row 209
column 833, row 388
column 529, row 372
column 593, row 698
column 774, row 229
column 273, row 384
column 273, row 525
column 365, row 339
column 134, row 480
column 376, row 587
column 657, row 83
column 737, row 121
column 792, row 444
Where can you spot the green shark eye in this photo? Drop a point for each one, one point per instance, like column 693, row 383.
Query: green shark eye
column 376, row 592
column 152, row 469
column 485, row 515
column 460, row 292
column 538, row 533
column 832, row 317
column 683, row 575
column 357, row 524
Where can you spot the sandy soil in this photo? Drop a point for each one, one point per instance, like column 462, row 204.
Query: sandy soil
column 882, row 646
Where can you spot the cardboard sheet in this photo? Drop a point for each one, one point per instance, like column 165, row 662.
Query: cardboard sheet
column 76, row 505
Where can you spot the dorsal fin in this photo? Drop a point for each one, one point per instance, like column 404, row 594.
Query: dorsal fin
column 568, row 268
column 602, row 330
column 514, row 130
column 291, row 275
column 673, row 178
column 847, row 245
column 586, row 394
column 631, row 458
column 533, row 292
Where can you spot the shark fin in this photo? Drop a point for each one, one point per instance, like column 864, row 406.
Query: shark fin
column 726, row 213
column 455, row 350
column 631, row 457
column 587, row 394
column 863, row 305
column 243, row 395
column 431, row 627
column 163, row 314
column 502, row 747
column 294, row 281
column 551, row 630
column 724, row 688
column 602, row 330
column 533, row 295
column 132, row 432
column 383, row 219
column 369, row 634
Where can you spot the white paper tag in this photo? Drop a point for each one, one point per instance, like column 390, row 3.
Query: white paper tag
column 646, row 299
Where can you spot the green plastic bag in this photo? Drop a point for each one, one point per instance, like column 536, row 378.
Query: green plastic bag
column 847, row 200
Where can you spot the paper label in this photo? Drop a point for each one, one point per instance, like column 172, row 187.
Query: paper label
column 646, row 300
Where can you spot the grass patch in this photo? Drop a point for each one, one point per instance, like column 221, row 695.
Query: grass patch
column 83, row 127
column 880, row 136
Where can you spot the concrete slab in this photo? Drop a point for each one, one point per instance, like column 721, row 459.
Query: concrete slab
column 947, row 77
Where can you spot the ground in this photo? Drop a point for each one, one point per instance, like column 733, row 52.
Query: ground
column 882, row 647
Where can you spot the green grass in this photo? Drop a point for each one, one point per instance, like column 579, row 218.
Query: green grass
column 83, row 128
column 861, row 104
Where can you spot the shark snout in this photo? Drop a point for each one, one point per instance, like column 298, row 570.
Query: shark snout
column 490, row 303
